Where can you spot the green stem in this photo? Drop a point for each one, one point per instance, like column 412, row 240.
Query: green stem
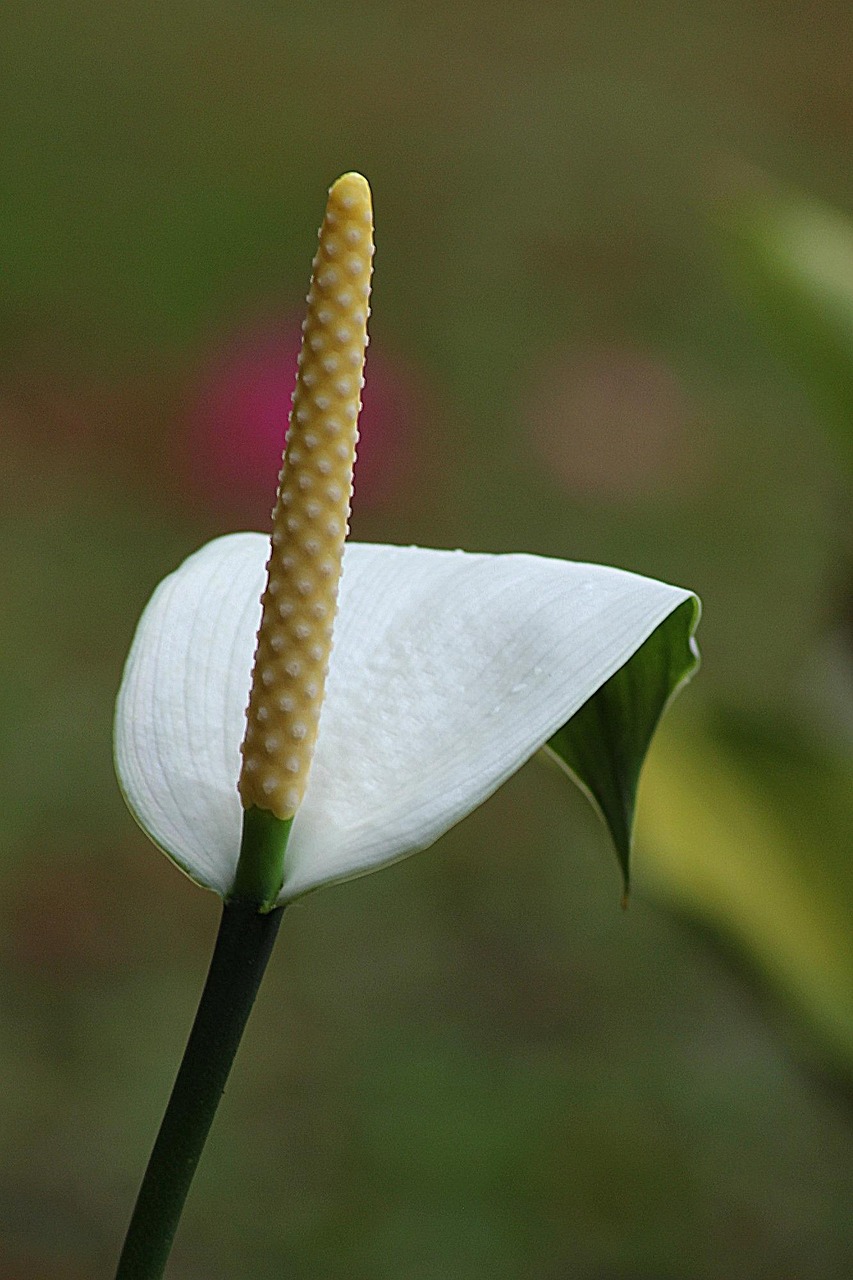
column 243, row 947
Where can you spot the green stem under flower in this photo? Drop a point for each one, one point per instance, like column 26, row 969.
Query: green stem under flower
column 243, row 947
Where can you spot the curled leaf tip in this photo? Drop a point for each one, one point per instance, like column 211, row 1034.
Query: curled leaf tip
column 311, row 512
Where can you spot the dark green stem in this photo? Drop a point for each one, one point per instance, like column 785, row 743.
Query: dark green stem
column 243, row 947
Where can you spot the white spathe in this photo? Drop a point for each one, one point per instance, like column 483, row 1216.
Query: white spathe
column 449, row 670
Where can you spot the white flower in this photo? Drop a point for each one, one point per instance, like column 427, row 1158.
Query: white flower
column 449, row 670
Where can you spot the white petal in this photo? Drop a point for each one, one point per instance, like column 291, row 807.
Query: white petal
column 180, row 713
column 449, row 671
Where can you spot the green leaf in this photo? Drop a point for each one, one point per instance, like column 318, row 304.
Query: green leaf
column 792, row 258
column 604, row 744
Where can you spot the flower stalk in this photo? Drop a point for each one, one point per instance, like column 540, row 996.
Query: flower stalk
column 243, row 947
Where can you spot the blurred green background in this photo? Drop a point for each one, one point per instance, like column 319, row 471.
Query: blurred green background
column 472, row 1065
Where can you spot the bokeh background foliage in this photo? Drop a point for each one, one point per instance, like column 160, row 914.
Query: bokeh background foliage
column 473, row 1064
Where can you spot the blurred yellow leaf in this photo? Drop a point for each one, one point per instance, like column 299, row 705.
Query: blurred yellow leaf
column 715, row 844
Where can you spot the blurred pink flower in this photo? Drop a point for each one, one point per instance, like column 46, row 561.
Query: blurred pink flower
column 238, row 415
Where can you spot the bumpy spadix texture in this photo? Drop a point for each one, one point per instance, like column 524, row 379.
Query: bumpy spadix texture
column 310, row 516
